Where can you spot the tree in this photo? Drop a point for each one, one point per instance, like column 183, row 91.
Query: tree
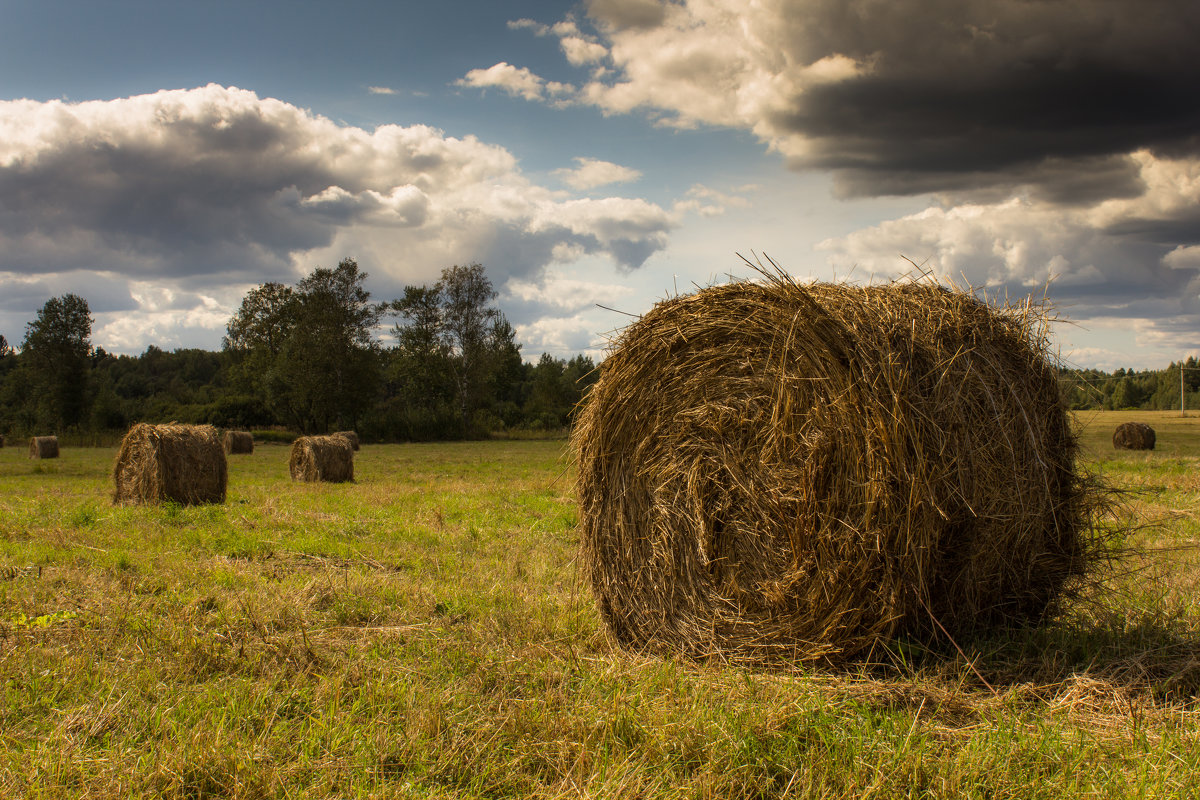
column 310, row 351
column 256, row 334
column 469, row 327
column 56, row 356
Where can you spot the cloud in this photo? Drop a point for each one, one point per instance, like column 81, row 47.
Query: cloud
column 516, row 81
column 580, row 51
column 194, row 190
column 912, row 96
column 592, row 173
column 381, row 90
column 709, row 202
column 1118, row 259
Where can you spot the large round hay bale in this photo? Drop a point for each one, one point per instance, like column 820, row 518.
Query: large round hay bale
column 322, row 458
column 178, row 463
column 351, row 437
column 239, row 442
column 1133, row 436
column 43, row 447
column 771, row 472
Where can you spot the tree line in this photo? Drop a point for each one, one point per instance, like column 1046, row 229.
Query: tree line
column 439, row 362
column 1149, row 390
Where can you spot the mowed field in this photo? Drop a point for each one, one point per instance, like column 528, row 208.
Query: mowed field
column 426, row 632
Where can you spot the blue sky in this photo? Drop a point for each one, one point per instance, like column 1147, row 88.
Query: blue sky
column 160, row 159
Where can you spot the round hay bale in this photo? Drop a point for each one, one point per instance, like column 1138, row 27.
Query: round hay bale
column 771, row 472
column 170, row 463
column 351, row 437
column 322, row 458
column 1133, row 436
column 239, row 442
column 43, row 447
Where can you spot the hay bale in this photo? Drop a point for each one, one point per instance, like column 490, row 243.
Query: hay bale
column 1133, row 436
column 351, row 437
column 322, row 458
column 43, row 447
column 774, row 473
column 239, row 442
column 180, row 463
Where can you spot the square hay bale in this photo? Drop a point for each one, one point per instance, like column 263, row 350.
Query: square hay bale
column 351, row 436
column 775, row 473
column 43, row 447
column 322, row 458
column 179, row 463
column 239, row 442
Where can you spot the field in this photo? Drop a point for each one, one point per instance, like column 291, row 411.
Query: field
column 424, row 632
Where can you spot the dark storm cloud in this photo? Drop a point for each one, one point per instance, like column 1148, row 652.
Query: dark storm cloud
column 997, row 90
column 912, row 96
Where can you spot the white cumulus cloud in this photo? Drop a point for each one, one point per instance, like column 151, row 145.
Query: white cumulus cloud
column 189, row 191
column 592, row 172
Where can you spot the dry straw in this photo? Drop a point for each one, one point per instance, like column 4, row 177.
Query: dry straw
column 1133, row 436
column 239, row 442
column 777, row 473
column 43, row 447
column 351, row 437
column 179, row 463
column 322, row 458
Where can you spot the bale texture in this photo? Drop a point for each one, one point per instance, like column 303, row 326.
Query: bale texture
column 239, row 442
column 43, row 447
column 351, row 437
column 1133, row 436
column 322, row 458
column 771, row 472
column 170, row 463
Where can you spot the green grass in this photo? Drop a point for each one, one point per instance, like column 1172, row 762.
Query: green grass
column 423, row 632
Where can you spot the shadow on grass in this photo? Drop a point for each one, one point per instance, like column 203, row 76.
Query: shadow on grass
column 1153, row 654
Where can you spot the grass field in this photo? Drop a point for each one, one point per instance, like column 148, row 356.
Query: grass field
column 423, row 632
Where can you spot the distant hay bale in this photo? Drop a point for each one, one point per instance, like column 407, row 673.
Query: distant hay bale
column 43, row 447
column 771, row 472
column 351, row 436
column 1133, row 436
column 179, row 463
column 322, row 458
column 239, row 442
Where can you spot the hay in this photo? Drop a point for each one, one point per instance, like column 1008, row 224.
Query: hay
column 351, row 437
column 239, row 442
column 1133, row 436
column 43, row 447
column 180, row 463
column 775, row 473
column 322, row 458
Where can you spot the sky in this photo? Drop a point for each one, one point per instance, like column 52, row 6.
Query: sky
column 162, row 159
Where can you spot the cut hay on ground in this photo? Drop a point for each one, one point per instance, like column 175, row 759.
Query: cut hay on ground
column 239, row 442
column 774, row 473
column 351, row 436
column 1133, row 436
column 180, row 463
column 43, row 447
column 322, row 458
